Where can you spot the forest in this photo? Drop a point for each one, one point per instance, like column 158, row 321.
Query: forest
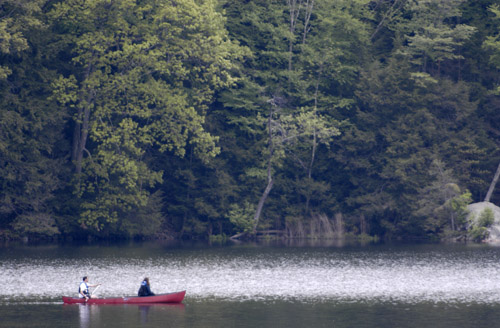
column 215, row 119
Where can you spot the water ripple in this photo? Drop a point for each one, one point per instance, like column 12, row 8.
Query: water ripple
column 306, row 275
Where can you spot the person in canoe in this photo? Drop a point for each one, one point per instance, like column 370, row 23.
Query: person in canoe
column 145, row 289
column 83, row 290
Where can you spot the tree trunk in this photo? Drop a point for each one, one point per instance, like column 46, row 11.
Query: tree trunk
column 309, row 169
column 387, row 15
column 82, row 132
column 82, row 127
column 308, row 13
column 363, row 226
column 294, row 15
column 492, row 185
column 238, row 235
column 76, row 137
column 261, row 203
column 339, row 226
column 270, row 180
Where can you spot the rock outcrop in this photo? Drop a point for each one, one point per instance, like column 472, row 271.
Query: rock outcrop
column 475, row 210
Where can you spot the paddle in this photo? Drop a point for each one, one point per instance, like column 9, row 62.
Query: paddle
column 92, row 293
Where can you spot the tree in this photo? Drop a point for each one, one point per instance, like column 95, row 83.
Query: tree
column 411, row 110
column 492, row 185
column 433, row 35
column 31, row 151
column 326, row 69
column 492, row 43
column 300, row 85
column 17, row 18
column 146, row 74
column 442, row 201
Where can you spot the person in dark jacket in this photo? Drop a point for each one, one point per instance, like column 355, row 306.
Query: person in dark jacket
column 145, row 289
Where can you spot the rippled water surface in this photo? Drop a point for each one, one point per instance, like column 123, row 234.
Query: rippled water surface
column 397, row 281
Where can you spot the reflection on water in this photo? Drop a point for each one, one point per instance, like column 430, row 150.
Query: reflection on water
column 86, row 312
column 90, row 314
column 144, row 310
column 276, row 314
column 405, row 273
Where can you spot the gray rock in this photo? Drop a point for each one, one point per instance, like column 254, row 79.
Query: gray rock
column 475, row 210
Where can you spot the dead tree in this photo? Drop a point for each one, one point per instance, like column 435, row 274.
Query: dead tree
column 492, row 185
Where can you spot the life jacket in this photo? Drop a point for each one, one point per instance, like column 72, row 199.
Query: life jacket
column 85, row 291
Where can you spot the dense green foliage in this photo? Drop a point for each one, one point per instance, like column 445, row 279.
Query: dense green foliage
column 195, row 118
column 479, row 226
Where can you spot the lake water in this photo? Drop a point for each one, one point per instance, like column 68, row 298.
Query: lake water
column 251, row 285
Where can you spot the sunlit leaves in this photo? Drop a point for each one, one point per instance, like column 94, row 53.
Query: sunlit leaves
column 147, row 72
column 16, row 18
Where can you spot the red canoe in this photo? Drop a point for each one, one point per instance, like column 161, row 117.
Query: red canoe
column 161, row 298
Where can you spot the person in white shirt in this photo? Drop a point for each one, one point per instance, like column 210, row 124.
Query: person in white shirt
column 83, row 291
